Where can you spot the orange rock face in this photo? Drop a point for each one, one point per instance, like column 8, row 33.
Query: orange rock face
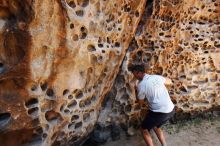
column 59, row 58
column 179, row 40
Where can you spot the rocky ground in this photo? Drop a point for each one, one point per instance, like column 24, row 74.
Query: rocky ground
column 196, row 132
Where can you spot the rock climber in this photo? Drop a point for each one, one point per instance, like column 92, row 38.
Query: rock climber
column 153, row 89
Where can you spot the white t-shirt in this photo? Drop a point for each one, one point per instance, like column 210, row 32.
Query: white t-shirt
column 152, row 87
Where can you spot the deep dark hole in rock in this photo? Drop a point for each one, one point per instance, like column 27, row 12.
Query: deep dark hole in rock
column 91, row 48
column 31, row 102
column 52, row 116
column 33, row 111
column 44, row 86
column 79, row 94
column 70, row 97
column 72, row 104
column 75, row 117
column 80, row 13
column 71, row 26
column 1, row 64
column 2, row 67
column 4, row 120
column 66, row 91
column 50, row 92
column 71, row 4
column 78, row 125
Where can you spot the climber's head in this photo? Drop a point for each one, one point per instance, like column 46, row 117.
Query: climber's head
column 138, row 71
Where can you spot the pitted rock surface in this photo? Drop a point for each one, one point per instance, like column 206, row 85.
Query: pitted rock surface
column 178, row 39
column 59, row 59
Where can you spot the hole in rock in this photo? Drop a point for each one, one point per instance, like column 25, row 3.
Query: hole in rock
column 87, row 102
column 70, row 97
column 44, row 135
column 203, row 6
column 39, row 130
column 78, row 125
column 90, row 70
column 127, row 8
column 44, row 86
column 81, row 104
column 62, row 107
column 109, row 28
column 161, row 34
column 93, row 98
column 66, row 111
column 86, row 117
column 100, row 45
column 71, row 126
column 31, row 102
column 50, row 92
column 117, row 44
column 65, row 92
column 53, row 117
column 83, row 3
column 71, row 3
column 125, row 97
column 93, row 59
column 79, row 94
column 82, row 29
column 2, row 68
column 35, row 122
column 136, row 13
column 80, row 13
column 91, row 48
column 34, row 87
column 72, row 104
column 128, row 108
column 4, row 119
column 183, row 89
column 182, row 76
column 75, row 37
column 83, row 35
column 71, row 26
column 74, row 118
column 1, row 64
column 33, row 111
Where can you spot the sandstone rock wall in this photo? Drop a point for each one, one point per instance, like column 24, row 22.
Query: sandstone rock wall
column 180, row 40
column 58, row 59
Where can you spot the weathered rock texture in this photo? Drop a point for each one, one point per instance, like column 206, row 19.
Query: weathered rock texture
column 179, row 39
column 59, row 58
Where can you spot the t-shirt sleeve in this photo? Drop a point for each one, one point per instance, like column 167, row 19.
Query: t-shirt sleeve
column 161, row 79
column 141, row 91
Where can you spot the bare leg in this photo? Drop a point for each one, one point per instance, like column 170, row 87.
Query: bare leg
column 147, row 137
column 160, row 135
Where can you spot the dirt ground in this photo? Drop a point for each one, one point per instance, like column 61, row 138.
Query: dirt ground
column 196, row 132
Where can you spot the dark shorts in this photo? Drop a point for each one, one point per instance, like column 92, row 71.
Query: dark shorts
column 155, row 119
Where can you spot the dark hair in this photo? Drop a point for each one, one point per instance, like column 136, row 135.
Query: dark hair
column 139, row 68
